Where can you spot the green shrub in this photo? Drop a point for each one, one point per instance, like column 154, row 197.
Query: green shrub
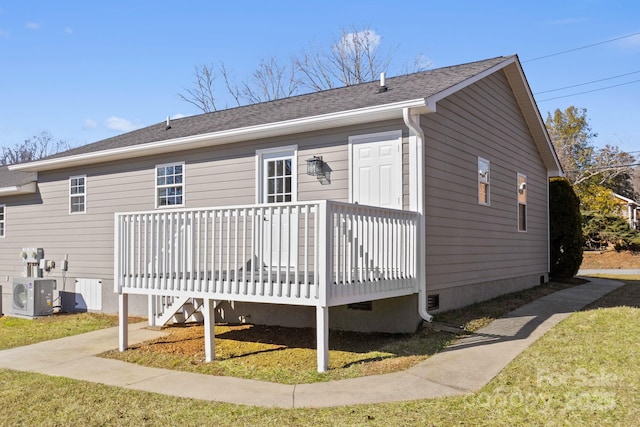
column 602, row 231
column 565, row 229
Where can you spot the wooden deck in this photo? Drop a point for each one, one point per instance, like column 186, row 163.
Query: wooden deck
column 319, row 253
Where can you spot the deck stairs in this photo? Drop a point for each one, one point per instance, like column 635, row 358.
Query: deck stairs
column 175, row 310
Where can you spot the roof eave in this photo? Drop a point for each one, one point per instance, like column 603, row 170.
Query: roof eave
column 305, row 124
column 524, row 96
column 431, row 101
column 28, row 188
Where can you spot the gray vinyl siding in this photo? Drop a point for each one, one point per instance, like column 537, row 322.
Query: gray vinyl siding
column 467, row 242
column 216, row 176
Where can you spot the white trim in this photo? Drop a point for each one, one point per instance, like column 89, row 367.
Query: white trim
column 305, row 124
column 183, row 184
column 83, row 194
column 625, row 199
column 374, row 137
column 283, row 152
column 18, row 189
column 556, row 169
column 431, row 101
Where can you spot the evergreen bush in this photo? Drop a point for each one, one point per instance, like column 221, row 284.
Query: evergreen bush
column 565, row 229
column 605, row 231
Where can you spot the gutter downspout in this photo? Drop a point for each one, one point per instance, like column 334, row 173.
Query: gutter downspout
column 417, row 203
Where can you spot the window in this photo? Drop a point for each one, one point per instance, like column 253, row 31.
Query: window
column 78, row 194
column 483, row 181
column 277, row 178
column 170, row 185
column 2, row 219
column 522, row 202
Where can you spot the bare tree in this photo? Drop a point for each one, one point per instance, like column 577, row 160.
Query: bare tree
column 582, row 162
column 420, row 63
column 615, row 167
column 354, row 58
column 202, row 93
column 229, row 82
column 34, row 148
column 635, row 181
column 270, row 81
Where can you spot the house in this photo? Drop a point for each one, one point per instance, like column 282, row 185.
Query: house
column 368, row 207
column 629, row 210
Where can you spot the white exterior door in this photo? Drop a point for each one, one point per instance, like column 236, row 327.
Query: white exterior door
column 376, row 169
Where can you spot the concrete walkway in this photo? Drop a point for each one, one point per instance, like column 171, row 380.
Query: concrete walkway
column 463, row 368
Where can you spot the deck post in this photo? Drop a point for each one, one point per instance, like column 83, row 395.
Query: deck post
column 322, row 336
column 152, row 310
column 209, row 329
column 325, row 243
column 123, row 323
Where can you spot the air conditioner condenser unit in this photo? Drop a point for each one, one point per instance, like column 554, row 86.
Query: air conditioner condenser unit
column 32, row 297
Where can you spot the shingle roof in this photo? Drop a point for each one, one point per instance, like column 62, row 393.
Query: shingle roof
column 15, row 178
column 401, row 88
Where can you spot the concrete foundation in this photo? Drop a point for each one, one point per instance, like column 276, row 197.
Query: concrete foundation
column 461, row 296
column 394, row 315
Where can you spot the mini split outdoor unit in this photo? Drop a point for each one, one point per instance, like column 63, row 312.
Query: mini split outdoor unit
column 33, row 297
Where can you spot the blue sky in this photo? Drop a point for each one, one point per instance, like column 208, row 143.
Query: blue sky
column 85, row 70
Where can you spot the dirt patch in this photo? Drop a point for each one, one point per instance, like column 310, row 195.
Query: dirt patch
column 189, row 339
column 610, row 260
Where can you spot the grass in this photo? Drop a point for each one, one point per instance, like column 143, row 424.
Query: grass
column 15, row 332
column 623, row 277
column 582, row 372
column 288, row 355
column 289, row 358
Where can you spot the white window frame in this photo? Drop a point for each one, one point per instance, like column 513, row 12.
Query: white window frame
column 159, row 187
column 82, row 194
column 484, row 179
column 521, row 197
column 276, row 153
column 3, row 221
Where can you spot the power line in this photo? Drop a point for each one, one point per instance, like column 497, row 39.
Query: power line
column 588, row 83
column 589, row 91
column 602, row 167
column 580, row 48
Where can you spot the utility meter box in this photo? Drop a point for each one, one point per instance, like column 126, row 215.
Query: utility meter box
column 32, row 297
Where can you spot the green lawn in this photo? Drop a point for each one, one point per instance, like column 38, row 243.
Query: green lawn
column 288, row 355
column 16, row 331
column 582, row 372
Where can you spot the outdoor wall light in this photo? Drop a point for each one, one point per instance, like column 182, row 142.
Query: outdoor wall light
column 318, row 168
column 522, row 187
column 315, row 166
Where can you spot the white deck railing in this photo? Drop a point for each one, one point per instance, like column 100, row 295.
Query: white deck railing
column 320, row 253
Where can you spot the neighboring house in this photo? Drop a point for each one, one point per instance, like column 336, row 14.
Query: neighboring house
column 630, row 210
column 363, row 208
